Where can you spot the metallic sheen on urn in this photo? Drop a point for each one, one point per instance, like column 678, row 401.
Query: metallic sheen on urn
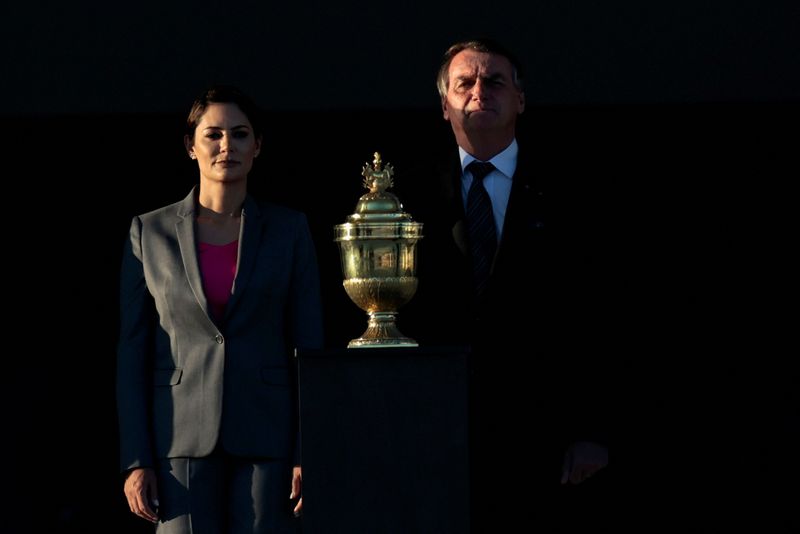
column 378, row 247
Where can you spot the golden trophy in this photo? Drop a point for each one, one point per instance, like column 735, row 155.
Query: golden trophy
column 378, row 246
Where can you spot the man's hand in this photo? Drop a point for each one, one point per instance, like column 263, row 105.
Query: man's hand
column 297, row 488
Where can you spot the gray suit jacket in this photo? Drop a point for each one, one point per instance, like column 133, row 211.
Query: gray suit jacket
column 185, row 381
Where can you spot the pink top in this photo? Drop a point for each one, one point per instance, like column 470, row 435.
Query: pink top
column 218, row 268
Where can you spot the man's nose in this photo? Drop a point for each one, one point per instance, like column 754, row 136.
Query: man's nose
column 479, row 90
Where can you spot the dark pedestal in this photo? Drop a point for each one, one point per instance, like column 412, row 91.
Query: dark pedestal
column 384, row 440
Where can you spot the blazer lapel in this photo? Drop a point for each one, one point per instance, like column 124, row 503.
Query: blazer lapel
column 249, row 238
column 185, row 231
column 524, row 213
column 454, row 204
column 518, row 201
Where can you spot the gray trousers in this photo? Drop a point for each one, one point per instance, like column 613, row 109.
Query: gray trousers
column 224, row 494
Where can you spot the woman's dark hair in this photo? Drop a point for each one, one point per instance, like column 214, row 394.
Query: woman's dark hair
column 223, row 94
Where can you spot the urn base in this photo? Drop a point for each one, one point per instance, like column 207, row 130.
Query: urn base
column 381, row 332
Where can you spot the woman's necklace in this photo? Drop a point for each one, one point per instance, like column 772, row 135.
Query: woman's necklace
column 210, row 216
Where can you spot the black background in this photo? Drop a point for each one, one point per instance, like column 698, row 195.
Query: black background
column 685, row 113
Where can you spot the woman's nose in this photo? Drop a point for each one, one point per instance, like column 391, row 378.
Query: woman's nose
column 225, row 144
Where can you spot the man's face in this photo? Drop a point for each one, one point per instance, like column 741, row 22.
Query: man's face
column 481, row 94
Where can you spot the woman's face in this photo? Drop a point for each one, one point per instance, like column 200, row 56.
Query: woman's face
column 224, row 144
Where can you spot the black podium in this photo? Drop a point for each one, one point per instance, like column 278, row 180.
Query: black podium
column 384, row 440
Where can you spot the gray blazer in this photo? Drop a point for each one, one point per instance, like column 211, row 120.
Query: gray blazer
column 185, row 381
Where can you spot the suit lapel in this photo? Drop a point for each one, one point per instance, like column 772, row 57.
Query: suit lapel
column 524, row 215
column 249, row 238
column 519, row 202
column 454, row 204
column 185, row 231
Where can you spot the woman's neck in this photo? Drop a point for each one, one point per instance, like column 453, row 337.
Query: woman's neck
column 221, row 200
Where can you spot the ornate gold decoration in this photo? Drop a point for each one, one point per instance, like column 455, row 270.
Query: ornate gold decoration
column 378, row 246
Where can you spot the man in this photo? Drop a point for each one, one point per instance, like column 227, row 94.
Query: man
column 506, row 267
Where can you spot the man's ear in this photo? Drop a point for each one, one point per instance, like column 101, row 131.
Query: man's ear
column 445, row 110
column 521, row 105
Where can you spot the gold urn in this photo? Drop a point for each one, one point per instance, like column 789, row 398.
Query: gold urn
column 378, row 246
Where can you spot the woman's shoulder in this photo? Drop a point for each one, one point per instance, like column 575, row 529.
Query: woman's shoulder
column 170, row 210
column 181, row 208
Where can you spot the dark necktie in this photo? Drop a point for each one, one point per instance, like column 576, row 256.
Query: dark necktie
column 480, row 226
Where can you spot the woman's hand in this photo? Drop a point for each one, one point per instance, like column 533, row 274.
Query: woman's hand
column 142, row 493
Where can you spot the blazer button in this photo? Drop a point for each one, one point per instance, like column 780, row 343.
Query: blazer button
column 218, row 339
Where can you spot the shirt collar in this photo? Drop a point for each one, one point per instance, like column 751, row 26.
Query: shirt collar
column 505, row 161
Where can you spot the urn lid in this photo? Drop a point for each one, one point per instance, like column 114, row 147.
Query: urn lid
column 378, row 205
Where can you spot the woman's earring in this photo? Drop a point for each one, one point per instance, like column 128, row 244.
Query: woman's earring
column 191, row 155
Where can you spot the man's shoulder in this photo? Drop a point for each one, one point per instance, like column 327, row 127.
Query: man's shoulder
column 424, row 171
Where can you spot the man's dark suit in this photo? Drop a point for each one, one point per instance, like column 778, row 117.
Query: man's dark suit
column 529, row 334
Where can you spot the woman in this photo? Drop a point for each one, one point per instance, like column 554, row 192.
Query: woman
column 216, row 292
